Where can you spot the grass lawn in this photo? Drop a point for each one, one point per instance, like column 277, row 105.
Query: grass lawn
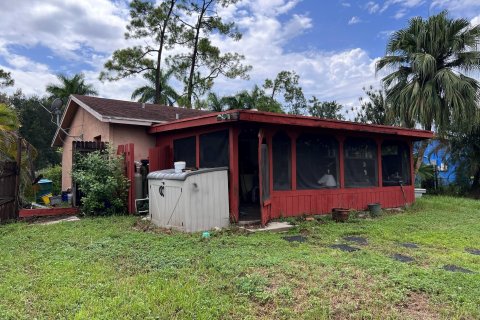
column 112, row 268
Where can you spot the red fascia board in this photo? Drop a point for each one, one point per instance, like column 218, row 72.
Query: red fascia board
column 284, row 119
column 304, row 121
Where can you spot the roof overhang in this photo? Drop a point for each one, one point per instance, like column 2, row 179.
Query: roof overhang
column 285, row 119
column 69, row 113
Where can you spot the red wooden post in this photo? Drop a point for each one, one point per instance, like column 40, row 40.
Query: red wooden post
column 379, row 142
column 131, row 176
column 412, row 166
column 197, row 150
column 233, row 173
column 341, row 160
column 293, row 137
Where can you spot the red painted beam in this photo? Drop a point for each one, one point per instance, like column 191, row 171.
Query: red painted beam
column 43, row 212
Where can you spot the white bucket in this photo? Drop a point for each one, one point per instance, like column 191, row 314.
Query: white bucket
column 179, row 166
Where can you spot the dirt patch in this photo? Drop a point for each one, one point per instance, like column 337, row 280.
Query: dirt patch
column 358, row 240
column 147, row 226
column 297, row 238
column 402, row 258
column 454, row 268
column 409, row 245
column 344, row 247
column 417, row 306
column 473, row 251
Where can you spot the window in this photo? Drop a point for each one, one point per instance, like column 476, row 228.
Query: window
column 395, row 163
column 214, row 149
column 282, row 165
column 361, row 169
column 317, row 162
column 185, row 150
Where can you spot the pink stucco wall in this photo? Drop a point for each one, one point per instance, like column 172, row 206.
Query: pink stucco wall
column 89, row 127
column 138, row 135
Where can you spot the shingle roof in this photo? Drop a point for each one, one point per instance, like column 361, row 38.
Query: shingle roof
column 134, row 110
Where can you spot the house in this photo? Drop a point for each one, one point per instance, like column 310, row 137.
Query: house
column 87, row 118
column 279, row 165
column 284, row 165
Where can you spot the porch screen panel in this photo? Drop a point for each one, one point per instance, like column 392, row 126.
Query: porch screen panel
column 361, row 169
column 395, row 163
column 185, row 150
column 214, row 149
column 317, row 162
column 282, row 162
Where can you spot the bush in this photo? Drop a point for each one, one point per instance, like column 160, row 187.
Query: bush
column 99, row 176
column 55, row 174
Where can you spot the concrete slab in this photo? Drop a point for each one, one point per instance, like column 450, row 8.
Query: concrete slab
column 273, row 227
column 57, row 220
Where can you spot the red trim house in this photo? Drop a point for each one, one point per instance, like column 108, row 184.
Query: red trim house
column 283, row 165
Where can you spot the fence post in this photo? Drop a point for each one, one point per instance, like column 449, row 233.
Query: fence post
column 18, row 166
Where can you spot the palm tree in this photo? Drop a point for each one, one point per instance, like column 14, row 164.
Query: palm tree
column 70, row 85
column 146, row 93
column 427, row 85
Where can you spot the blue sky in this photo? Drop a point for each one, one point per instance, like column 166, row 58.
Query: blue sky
column 332, row 45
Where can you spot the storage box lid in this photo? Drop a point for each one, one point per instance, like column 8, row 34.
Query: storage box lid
column 170, row 174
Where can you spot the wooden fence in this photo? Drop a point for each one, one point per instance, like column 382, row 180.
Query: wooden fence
column 8, row 191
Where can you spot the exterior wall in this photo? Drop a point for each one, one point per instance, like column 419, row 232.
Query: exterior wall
column 87, row 126
column 294, row 203
column 298, row 202
column 138, row 135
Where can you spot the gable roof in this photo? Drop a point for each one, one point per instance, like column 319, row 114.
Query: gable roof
column 119, row 111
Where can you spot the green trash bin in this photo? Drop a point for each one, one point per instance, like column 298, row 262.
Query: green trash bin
column 44, row 187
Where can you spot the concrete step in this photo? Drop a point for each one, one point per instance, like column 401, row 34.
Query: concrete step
column 273, row 227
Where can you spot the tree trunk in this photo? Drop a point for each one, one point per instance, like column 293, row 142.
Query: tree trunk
column 158, row 85
column 198, row 27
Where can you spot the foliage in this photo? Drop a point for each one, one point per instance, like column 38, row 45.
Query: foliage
column 11, row 141
column 286, row 82
column 70, row 85
column 427, row 85
column 157, row 26
column 214, row 102
column 204, row 62
column 375, row 110
column 38, row 127
column 53, row 173
column 6, row 79
column 100, row 178
column 325, row 109
column 78, row 269
column 464, row 150
column 168, row 95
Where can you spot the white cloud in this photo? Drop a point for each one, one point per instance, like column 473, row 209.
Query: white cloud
column 463, row 8
column 475, row 21
column 402, row 3
column 354, row 20
column 372, row 7
column 346, row 4
column 400, row 14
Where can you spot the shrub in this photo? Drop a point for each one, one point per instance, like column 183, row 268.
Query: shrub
column 99, row 176
column 55, row 174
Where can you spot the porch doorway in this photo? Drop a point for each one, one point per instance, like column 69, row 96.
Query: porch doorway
column 249, row 192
